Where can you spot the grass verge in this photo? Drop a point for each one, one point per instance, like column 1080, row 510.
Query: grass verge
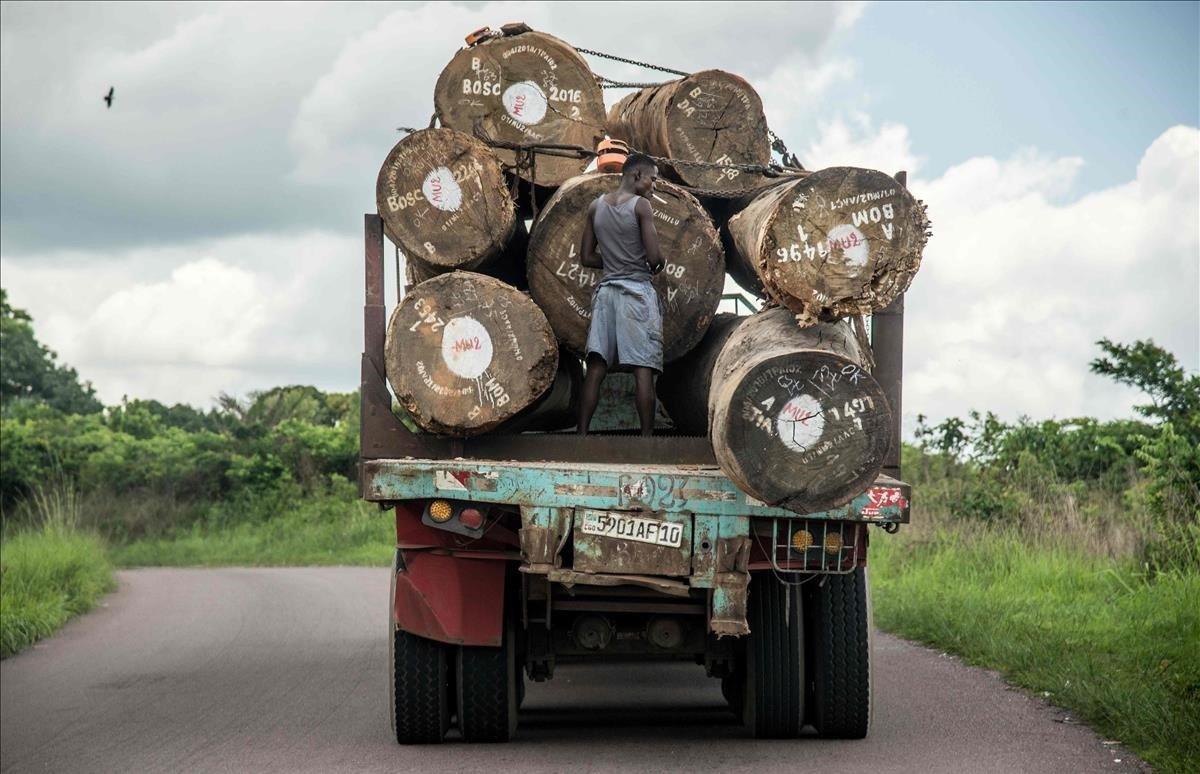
column 1093, row 634
column 46, row 577
column 327, row 529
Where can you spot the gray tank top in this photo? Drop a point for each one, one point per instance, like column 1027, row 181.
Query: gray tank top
column 620, row 239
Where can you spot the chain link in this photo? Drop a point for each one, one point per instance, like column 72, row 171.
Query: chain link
column 609, row 83
column 634, row 62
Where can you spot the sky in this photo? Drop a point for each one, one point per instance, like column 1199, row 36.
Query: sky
column 204, row 235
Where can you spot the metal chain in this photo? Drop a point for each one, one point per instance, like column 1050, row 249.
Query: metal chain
column 609, row 83
column 778, row 146
column 634, row 62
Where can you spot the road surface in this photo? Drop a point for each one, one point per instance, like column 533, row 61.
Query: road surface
column 285, row 670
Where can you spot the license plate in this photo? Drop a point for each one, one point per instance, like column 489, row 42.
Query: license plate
column 659, row 533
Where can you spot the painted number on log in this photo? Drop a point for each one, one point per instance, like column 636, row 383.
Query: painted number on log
column 565, row 95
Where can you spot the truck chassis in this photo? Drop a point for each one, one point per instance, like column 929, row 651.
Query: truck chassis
column 516, row 553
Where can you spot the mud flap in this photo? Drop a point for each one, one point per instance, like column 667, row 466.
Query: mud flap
column 450, row 599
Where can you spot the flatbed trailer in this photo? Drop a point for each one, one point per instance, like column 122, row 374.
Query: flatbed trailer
column 515, row 553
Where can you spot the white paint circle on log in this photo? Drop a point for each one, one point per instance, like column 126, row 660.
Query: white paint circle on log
column 852, row 243
column 466, row 347
column 800, row 423
column 525, row 102
column 442, row 190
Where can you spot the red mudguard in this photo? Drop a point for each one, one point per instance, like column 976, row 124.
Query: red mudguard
column 441, row 597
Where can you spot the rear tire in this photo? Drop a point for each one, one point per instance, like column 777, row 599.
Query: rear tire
column 839, row 646
column 773, row 696
column 420, row 695
column 487, row 691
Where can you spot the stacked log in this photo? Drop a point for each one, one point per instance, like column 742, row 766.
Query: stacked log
column 786, row 396
column 796, row 419
column 689, row 287
column 842, row 241
column 465, row 352
column 442, row 197
column 710, row 117
column 526, row 88
column 683, row 389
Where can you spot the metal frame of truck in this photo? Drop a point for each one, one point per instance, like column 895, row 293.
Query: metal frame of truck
column 772, row 602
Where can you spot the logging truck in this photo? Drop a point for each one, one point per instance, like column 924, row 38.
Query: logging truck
column 518, row 552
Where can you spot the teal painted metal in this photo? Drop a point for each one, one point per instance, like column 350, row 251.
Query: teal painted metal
column 672, row 488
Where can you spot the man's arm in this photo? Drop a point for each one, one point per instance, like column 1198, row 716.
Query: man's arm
column 645, row 216
column 587, row 247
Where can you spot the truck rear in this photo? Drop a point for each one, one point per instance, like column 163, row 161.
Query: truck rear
column 517, row 553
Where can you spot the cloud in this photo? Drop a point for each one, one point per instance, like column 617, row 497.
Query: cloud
column 1017, row 285
column 202, row 236
column 243, row 117
column 851, row 140
column 184, row 324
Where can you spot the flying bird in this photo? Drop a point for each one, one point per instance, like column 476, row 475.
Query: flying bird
column 108, row 96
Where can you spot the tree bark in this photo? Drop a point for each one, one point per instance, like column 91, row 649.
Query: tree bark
column 683, row 388
column 527, row 88
column 712, row 116
column 689, row 287
column 465, row 352
column 442, row 198
column 795, row 418
column 842, row 241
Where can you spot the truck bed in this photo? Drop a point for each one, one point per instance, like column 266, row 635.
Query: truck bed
column 679, row 488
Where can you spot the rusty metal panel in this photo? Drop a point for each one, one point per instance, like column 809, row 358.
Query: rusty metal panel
column 705, row 531
column 632, row 542
column 665, row 585
column 671, row 488
column 543, row 533
column 887, row 345
column 732, row 582
column 381, row 434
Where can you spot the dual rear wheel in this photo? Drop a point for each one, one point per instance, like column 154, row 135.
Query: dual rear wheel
column 432, row 683
column 807, row 660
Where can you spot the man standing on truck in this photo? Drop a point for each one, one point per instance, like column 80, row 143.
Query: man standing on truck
column 626, row 325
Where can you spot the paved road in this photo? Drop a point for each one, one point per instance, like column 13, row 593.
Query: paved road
column 284, row 670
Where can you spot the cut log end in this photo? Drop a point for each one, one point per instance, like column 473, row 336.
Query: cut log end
column 689, row 287
column 527, row 88
column 710, row 117
column 796, row 419
column 466, row 352
column 443, row 200
column 842, row 241
column 811, row 447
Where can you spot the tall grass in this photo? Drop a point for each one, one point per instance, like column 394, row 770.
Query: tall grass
column 331, row 527
column 51, row 572
column 1057, row 595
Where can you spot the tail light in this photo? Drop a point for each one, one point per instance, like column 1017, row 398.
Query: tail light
column 453, row 516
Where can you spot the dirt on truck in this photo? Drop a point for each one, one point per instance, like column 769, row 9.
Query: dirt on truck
column 517, row 552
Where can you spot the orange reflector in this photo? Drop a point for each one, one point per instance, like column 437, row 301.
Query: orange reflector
column 833, row 543
column 471, row 518
column 440, row 511
column 802, row 540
